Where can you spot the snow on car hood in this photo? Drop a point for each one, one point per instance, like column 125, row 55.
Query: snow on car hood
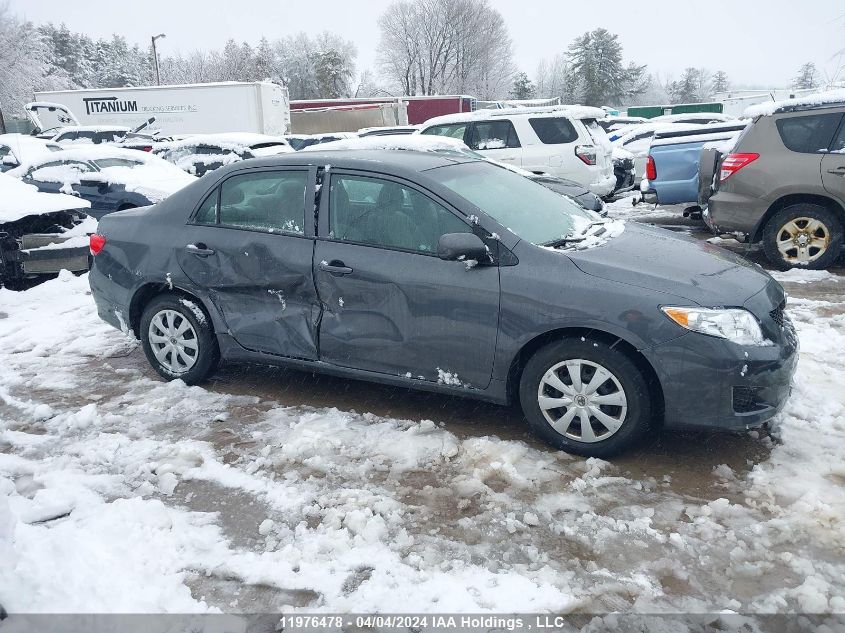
column 662, row 261
column 18, row 200
column 151, row 181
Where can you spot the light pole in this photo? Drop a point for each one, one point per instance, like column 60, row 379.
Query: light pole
column 155, row 56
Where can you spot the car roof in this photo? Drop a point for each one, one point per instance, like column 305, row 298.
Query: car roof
column 388, row 161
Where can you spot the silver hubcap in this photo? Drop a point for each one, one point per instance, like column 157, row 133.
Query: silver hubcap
column 582, row 400
column 173, row 341
column 803, row 240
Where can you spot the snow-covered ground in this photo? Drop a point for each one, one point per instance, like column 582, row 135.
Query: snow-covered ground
column 123, row 493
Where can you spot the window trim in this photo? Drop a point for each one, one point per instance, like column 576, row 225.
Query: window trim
column 324, row 217
column 308, row 220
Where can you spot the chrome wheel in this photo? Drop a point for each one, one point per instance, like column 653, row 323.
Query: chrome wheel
column 582, row 400
column 173, row 341
column 803, row 240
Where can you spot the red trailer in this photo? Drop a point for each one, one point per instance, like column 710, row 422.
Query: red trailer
column 420, row 109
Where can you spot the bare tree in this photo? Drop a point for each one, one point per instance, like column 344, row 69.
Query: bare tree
column 437, row 46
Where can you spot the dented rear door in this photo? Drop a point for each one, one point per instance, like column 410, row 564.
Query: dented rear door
column 251, row 244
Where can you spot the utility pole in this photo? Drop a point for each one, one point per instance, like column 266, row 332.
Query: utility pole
column 155, row 56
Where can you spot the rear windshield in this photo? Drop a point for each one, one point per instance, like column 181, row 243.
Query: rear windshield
column 808, row 134
column 554, row 130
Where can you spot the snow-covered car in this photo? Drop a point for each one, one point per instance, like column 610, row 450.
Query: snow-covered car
column 445, row 145
column 109, row 177
column 637, row 140
column 697, row 118
column 301, row 141
column 19, row 149
column 40, row 233
column 563, row 141
column 388, row 130
column 202, row 153
column 90, row 134
column 616, row 125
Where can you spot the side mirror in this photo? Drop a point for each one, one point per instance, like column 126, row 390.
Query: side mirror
column 9, row 161
column 463, row 246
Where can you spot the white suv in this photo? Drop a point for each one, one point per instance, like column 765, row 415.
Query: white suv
column 564, row 142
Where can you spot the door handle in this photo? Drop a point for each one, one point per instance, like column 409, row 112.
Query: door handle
column 335, row 267
column 839, row 171
column 200, row 250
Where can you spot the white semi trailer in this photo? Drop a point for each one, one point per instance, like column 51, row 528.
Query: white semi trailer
column 262, row 107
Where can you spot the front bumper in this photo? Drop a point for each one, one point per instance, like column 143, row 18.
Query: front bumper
column 40, row 254
column 712, row 383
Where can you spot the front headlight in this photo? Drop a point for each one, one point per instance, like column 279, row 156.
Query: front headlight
column 736, row 325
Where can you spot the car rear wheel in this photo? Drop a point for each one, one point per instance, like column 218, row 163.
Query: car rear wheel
column 177, row 342
column 803, row 236
column 585, row 398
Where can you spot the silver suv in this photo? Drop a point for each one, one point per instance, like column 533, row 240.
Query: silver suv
column 783, row 182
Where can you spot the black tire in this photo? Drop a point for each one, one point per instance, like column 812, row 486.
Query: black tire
column 207, row 353
column 832, row 228
column 636, row 418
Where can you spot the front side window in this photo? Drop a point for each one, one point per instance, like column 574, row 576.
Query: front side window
column 384, row 213
column 526, row 208
column 838, row 144
column 808, row 134
column 493, row 135
column 452, row 130
column 272, row 201
column 554, row 130
column 64, row 171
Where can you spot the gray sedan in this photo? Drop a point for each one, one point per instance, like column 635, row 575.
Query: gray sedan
column 452, row 275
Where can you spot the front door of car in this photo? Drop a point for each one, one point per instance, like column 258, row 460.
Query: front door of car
column 250, row 245
column 833, row 165
column 390, row 304
column 496, row 139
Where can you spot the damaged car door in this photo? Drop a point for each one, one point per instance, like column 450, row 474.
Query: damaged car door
column 390, row 304
column 250, row 244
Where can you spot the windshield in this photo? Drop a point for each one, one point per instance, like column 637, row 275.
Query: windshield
column 524, row 207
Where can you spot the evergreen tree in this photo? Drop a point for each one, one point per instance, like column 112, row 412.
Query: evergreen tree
column 331, row 75
column 687, row 90
column 523, row 87
column 721, row 83
column 596, row 71
column 807, row 77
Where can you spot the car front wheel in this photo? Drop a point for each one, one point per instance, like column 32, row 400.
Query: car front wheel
column 585, row 398
column 178, row 339
column 803, row 236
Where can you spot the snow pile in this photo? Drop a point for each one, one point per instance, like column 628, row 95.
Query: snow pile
column 803, row 276
column 18, row 200
column 770, row 107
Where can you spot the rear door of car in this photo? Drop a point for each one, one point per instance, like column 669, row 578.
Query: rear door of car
column 250, row 244
column 833, row 165
column 496, row 139
column 391, row 305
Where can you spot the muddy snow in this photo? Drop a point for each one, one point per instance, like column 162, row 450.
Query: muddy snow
column 269, row 490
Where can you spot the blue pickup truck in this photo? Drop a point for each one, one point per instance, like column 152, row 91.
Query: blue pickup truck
column 671, row 175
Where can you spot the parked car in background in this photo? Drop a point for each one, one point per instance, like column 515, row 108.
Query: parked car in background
column 672, row 165
column 697, row 118
column 301, row 141
column 615, row 125
column 783, row 182
column 388, row 130
column 18, row 149
column 563, row 142
column 453, row 275
column 202, row 153
column 624, row 170
column 637, row 141
column 449, row 146
column 109, row 178
column 90, row 134
column 40, row 233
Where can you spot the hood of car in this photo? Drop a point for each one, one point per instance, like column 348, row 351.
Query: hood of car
column 663, row 261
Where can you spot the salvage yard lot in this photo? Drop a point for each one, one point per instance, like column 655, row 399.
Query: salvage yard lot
column 269, row 489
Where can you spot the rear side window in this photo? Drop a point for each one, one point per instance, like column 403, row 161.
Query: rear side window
column 808, row 134
column 207, row 213
column 493, row 135
column 453, row 130
column 554, row 130
column 266, row 201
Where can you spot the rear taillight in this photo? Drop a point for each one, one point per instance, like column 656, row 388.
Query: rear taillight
column 732, row 163
column 650, row 169
column 147, row 148
column 96, row 243
column 587, row 153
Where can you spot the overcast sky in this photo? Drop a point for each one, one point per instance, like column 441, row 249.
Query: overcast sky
column 760, row 42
